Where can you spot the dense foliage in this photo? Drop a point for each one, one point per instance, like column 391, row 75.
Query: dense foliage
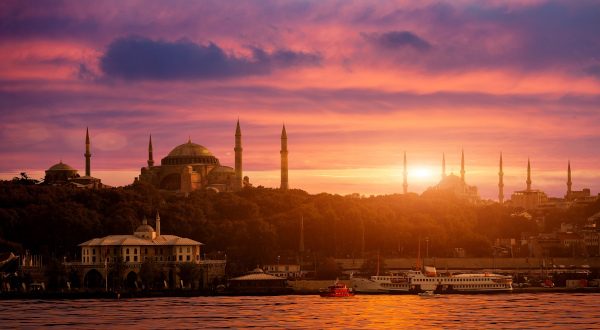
column 260, row 225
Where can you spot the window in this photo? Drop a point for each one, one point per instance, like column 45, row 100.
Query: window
column 134, row 258
column 180, row 258
column 180, row 249
column 187, row 258
column 94, row 259
column 93, row 251
column 135, row 251
column 127, row 258
column 127, row 250
column 188, row 249
column 145, row 250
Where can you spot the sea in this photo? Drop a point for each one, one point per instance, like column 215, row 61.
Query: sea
column 480, row 311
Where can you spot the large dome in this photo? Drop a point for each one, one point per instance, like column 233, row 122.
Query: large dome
column 189, row 149
column 189, row 153
column 61, row 167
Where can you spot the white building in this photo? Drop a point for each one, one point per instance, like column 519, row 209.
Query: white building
column 100, row 255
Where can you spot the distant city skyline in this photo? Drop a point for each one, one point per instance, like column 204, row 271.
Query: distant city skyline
column 357, row 84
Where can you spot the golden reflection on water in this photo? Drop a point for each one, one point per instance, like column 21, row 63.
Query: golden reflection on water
column 507, row 311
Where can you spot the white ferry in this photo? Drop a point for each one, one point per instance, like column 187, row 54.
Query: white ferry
column 416, row 281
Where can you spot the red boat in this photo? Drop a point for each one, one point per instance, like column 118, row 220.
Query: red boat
column 337, row 290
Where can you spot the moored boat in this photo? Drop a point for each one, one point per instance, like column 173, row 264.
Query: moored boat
column 415, row 281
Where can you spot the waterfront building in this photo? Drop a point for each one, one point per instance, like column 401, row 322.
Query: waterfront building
column 258, row 282
column 146, row 244
column 291, row 271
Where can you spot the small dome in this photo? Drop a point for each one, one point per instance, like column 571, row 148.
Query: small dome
column 144, row 228
column 189, row 149
column 222, row 169
column 61, row 167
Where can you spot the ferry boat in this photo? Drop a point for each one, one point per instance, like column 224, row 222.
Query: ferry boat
column 416, row 281
column 337, row 290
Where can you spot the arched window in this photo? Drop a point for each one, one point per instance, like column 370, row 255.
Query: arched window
column 127, row 250
column 135, row 251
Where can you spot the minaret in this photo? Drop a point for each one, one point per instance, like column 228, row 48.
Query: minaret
column 284, row 160
column 443, row 165
column 150, row 158
column 528, row 175
column 301, row 247
column 238, row 156
column 569, row 183
column 157, row 224
column 462, row 166
column 501, row 183
column 405, row 174
column 87, row 154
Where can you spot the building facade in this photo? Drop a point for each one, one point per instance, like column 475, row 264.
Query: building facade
column 168, row 252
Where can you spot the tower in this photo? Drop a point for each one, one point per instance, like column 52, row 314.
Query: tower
column 404, row 175
column 284, row 160
column 501, row 183
column 462, row 166
column 157, row 224
column 528, row 175
column 443, row 165
column 569, row 183
column 87, row 154
column 150, row 158
column 301, row 246
column 238, row 156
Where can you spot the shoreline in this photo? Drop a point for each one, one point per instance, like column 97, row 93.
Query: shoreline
column 75, row 295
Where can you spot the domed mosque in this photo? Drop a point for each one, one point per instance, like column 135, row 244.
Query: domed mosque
column 191, row 166
column 63, row 174
column 457, row 185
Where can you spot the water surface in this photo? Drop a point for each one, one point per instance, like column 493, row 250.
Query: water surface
column 510, row 311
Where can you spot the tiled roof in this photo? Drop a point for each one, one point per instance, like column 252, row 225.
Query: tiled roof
column 118, row 240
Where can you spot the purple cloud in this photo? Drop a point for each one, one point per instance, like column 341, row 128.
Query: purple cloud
column 395, row 40
column 136, row 58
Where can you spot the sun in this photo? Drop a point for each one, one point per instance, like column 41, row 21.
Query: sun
column 421, row 173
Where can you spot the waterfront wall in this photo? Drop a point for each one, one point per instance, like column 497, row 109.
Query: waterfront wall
column 512, row 264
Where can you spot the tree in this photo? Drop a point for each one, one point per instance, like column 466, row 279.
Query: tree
column 328, row 270
column 117, row 271
column 373, row 265
column 56, row 274
column 150, row 274
column 189, row 273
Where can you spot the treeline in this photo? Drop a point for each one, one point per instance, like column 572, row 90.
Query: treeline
column 258, row 225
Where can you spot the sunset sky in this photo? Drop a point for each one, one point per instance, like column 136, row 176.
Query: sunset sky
column 356, row 83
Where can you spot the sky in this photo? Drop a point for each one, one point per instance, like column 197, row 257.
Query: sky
column 357, row 84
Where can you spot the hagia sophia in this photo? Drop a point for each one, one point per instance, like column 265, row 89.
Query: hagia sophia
column 186, row 168
column 191, row 166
